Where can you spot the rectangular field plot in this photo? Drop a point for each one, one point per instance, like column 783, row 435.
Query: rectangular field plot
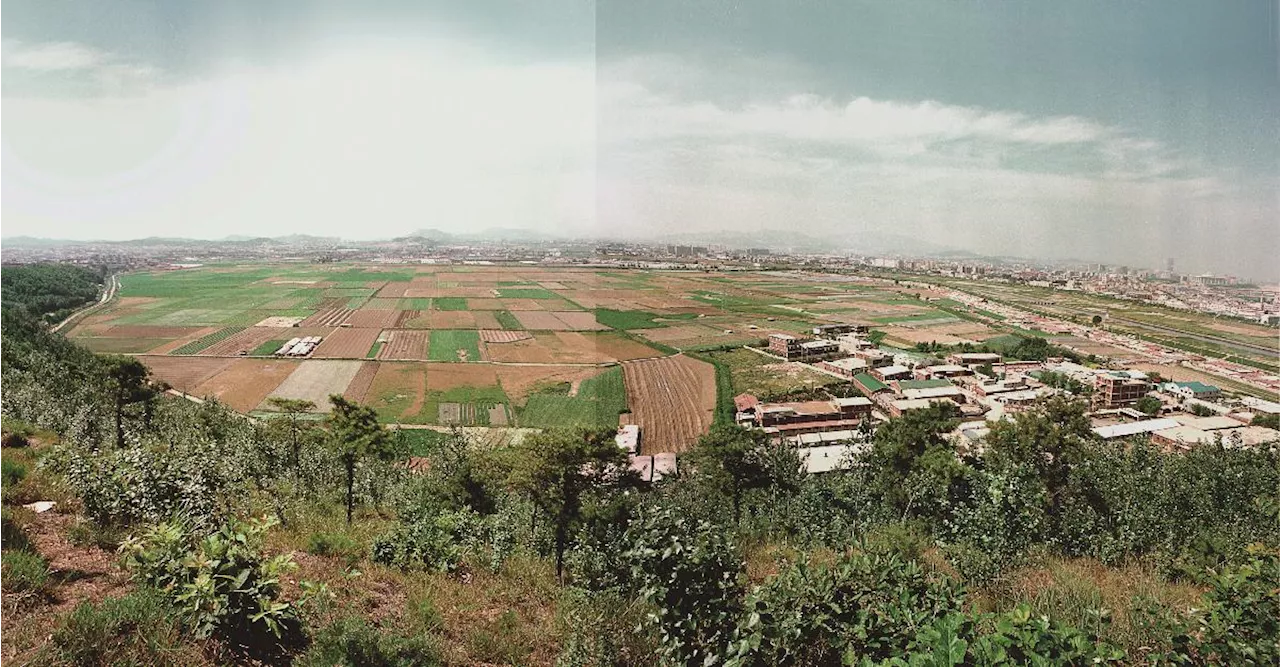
column 245, row 341
column 315, row 380
column 447, row 345
column 186, row 373
column 246, row 382
column 595, row 402
column 122, row 345
column 404, row 345
column 672, row 400
column 541, row 320
column 346, row 344
column 570, row 347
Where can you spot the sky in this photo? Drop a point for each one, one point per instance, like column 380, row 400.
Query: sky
column 1123, row 133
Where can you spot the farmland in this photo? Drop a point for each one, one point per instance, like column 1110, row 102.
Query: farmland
column 514, row 346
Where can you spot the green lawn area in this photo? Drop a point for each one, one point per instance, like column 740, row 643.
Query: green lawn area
column 597, row 404
column 637, row 319
column 269, row 347
column 445, row 343
column 121, row 345
column 526, row 293
column 450, row 303
column 508, row 321
column 373, row 351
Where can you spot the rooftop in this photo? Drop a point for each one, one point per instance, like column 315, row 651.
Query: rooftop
column 870, row 382
column 1135, row 428
column 922, row 384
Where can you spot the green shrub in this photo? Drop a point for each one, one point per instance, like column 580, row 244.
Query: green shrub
column 353, row 642
column 136, row 629
column 500, row 641
column 25, row 572
column 14, row 534
column 12, row 472
column 691, row 574
column 436, row 542
column 863, row 607
column 1239, row 622
column 220, row 582
column 334, row 544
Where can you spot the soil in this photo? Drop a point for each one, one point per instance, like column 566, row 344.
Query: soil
column 359, row 387
column 404, row 345
column 245, row 384
column 186, row 373
column 315, row 380
column 346, row 344
column 672, row 400
column 373, row 319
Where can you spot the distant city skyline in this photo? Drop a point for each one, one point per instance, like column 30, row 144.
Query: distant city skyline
column 1114, row 133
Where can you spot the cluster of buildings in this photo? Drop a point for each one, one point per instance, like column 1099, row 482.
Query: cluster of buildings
column 298, row 347
column 650, row 467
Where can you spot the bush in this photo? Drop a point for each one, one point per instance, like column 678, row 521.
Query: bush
column 435, row 543
column 11, row 472
column 353, row 642
column 864, row 607
column 691, row 574
column 1239, row 623
column 218, row 583
column 135, row 629
column 25, row 572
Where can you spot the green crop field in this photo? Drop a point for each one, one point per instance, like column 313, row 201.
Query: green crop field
column 636, row 319
column 445, row 344
column 526, row 293
column 201, row 343
column 597, row 404
column 508, row 321
column 414, row 304
column 450, row 303
column 268, row 348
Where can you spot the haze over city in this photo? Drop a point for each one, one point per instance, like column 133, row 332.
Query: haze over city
column 1144, row 131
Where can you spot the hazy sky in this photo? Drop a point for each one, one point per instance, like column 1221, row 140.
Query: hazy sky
column 1122, row 132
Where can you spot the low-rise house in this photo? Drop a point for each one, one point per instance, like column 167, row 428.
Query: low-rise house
column 874, row 358
column 1198, row 390
column 1128, row 429
column 795, row 348
column 951, row 392
column 847, row 367
column 828, row 458
column 973, row 358
column 886, row 373
column 870, row 385
column 943, row 371
column 897, row 408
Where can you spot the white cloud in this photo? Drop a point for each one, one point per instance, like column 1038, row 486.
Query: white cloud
column 362, row 142
column 52, row 56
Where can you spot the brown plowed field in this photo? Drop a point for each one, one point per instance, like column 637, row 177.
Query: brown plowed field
column 186, row 373
column 410, row 345
column 171, row 346
column 315, row 380
column 520, row 381
column 538, row 320
column 499, row 336
column 393, row 290
column 380, row 303
column 452, row 319
column 672, row 399
column 329, row 317
column 244, row 384
column 446, row 376
column 580, row 321
column 346, row 344
column 486, row 320
column 522, row 304
column 247, row 341
column 484, row 304
column 405, row 316
column 373, row 319
column 359, row 387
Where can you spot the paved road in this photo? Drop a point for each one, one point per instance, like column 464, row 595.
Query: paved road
column 112, row 286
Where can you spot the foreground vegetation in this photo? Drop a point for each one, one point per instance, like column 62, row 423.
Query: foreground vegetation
column 229, row 540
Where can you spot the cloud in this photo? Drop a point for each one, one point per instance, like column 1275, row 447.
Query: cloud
column 363, row 142
column 994, row 180
column 52, row 56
